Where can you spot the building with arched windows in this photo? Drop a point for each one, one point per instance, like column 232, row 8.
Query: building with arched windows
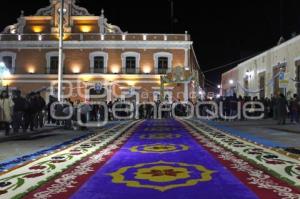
column 95, row 52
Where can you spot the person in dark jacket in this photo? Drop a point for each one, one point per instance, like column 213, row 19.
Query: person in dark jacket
column 295, row 105
column 41, row 104
column 20, row 107
column 282, row 109
column 30, row 115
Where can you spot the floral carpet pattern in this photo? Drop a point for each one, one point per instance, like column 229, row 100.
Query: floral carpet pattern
column 19, row 180
column 281, row 166
column 161, row 159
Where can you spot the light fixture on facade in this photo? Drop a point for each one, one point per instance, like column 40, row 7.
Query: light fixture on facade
column 165, row 37
column 248, row 74
column 40, row 37
column 123, row 37
column 37, row 29
column 219, row 86
column 19, row 37
column 85, row 29
column 146, row 69
column 115, row 69
column 231, row 81
column 144, row 37
column 76, row 69
column 102, row 37
column 31, row 70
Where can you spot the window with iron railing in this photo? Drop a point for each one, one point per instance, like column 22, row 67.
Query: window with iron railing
column 54, row 65
column 130, row 65
column 8, row 61
column 99, row 64
column 163, row 63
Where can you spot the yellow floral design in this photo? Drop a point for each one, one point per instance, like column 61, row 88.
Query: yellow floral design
column 161, row 172
column 159, row 148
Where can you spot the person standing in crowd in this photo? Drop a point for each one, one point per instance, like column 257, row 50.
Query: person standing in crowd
column 32, row 110
column 282, row 109
column 41, row 104
column 6, row 111
column 295, row 105
column 20, row 107
column 274, row 102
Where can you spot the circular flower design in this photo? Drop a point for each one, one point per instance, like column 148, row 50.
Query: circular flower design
column 162, row 176
column 159, row 148
column 34, row 175
column 37, row 167
column 5, row 184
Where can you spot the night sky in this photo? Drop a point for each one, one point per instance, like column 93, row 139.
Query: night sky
column 222, row 31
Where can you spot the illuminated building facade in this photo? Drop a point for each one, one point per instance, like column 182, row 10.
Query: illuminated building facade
column 96, row 52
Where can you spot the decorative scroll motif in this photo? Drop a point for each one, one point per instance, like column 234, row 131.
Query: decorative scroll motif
column 75, row 10
column 47, row 11
column 106, row 28
column 79, row 11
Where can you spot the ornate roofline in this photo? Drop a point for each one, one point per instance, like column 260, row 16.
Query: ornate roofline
column 76, row 10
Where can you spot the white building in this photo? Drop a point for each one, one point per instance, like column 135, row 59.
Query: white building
column 259, row 76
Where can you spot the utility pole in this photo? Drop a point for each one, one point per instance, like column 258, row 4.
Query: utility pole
column 60, row 56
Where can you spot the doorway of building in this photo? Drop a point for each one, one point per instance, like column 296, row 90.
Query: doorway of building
column 262, row 84
column 276, row 89
column 246, row 86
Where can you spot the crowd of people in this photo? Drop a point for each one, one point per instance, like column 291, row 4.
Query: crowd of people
column 277, row 107
column 19, row 113
column 31, row 112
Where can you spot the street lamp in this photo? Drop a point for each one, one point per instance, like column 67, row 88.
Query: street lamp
column 62, row 11
column 219, row 86
column 4, row 72
column 231, row 81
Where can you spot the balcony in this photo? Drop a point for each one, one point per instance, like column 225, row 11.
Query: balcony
column 162, row 71
column 99, row 70
column 95, row 37
column 130, row 71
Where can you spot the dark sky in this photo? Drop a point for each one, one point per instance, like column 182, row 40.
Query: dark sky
column 222, row 31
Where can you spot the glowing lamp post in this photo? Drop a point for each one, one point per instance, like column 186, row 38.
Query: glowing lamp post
column 4, row 72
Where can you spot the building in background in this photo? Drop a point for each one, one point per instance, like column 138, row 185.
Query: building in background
column 95, row 53
column 270, row 73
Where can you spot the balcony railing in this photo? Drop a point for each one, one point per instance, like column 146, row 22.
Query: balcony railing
column 162, row 71
column 99, row 70
column 130, row 71
column 95, row 37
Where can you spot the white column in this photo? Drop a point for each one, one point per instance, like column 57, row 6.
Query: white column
column 186, row 92
column 186, row 58
column 109, row 98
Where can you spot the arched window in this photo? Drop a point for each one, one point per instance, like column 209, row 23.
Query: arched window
column 163, row 62
column 53, row 62
column 98, row 62
column 131, row 62
column 9, row 59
